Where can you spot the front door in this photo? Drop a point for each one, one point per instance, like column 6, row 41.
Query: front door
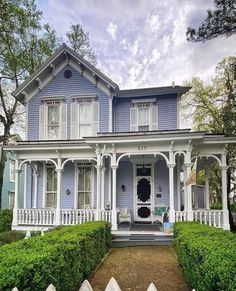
column 143, row 194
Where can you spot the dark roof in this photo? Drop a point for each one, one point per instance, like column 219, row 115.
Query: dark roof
column 153, row 91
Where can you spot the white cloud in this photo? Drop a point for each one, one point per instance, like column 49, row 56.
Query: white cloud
column 112, row 29
column 147, row 44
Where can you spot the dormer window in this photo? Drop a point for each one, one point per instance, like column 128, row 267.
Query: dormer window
column 84, row 117
column 143, row 115
column 52, row 119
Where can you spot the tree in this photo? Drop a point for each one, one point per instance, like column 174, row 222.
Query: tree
column 24, row 44
column 214, row 110
column 219, row 22
column 79, row 41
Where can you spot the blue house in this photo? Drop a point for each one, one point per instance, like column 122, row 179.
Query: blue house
column 94, row 151
column 8, row 186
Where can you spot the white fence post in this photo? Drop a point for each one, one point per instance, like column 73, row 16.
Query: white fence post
column 86, row 286
column 112, row 285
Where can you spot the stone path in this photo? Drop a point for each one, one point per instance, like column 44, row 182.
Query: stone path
column 134, row 268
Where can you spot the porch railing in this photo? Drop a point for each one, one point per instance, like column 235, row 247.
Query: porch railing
column 210, row 217
column 106, row 215
column 36, row 216
column 77, row 216
column 181, row 216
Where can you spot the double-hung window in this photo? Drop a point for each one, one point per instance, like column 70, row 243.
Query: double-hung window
column 11, row 200
column 84, row 186
column 12, row 170
column 84, row 117
column 143, row 115
column 51, row 187
column 52, row 119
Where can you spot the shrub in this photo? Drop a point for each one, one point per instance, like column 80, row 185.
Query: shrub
column 64, row 257
column 207, row 256
column 8, row 237
column 5, row 219
column 216, row 205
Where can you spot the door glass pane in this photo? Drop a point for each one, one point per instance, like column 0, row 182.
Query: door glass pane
column 51, row 187
column 84, row 187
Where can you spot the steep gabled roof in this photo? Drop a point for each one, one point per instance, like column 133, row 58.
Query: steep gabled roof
column 52, row 66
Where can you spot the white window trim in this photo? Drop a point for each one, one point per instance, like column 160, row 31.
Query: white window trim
column 11, row 171
column 149, row 100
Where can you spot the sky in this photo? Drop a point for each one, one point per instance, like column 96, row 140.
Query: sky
column 142, row 43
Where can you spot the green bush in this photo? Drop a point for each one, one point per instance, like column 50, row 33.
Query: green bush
column 216, row 205
column 233, row 207
column 8, row 237
column 63, row 257
column 5, row 219
column 207, row 256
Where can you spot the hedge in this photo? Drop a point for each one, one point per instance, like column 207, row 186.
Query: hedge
column 63, row 257
column 5, row 219
column 207, row 256
column 8, row 237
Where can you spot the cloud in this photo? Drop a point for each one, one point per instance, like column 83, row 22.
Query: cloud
column 112, row 29
column 144, row 44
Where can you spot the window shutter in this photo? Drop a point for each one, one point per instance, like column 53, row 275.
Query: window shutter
column 133, row 119
column 74, row 130
column 63, row 121
column 154, row 117
column 42, row 117
column 95, row 117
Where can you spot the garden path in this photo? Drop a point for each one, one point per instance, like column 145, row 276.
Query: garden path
column 134, row 268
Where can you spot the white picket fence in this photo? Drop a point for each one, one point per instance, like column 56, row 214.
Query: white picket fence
column 111, row 286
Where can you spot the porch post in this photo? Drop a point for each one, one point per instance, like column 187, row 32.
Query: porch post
column 58, row 209
column 16, row 202
column 35, row 175
column 178, row 185
column 185, row 189
column 188, row 165
column 224, row 168
column 98, row 191
column 171, row 191
column 114, row 214
column 207, row 204
column 102, row 187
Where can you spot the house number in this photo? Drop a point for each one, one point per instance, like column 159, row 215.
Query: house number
column 142, row 148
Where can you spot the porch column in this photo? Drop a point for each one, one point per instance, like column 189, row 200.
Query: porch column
column 102, row 187
column 207, row 204
column 16, row 200
column 178, row 185
column 98, row 192
column 35, row 175
column 224, row 168
column 185, row 189
column 58, row 209
column 171, row 191
column 114, row 213
column 188, row 165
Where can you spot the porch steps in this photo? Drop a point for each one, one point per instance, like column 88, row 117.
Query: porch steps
column 140, row 239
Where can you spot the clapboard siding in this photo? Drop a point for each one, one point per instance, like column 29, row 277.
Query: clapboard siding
column 167, row 112
column 125, row 177
column 61, row 86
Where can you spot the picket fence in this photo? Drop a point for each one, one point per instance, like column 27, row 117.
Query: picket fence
column 111, row 286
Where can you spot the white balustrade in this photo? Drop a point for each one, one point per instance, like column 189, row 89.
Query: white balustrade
column 209, row 217
column 77, row 216
column 106, row 215
column 181, row 216
column 36, row 216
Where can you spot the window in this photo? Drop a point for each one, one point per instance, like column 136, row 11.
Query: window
column 53, row 119
column 51, row 187
column 12, row 169
column 84, row 117
column 11, row 200
column 143, row 115
column 84, row 187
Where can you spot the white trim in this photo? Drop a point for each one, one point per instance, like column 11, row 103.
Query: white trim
column 75, row 185
column 84, row 96
column 12, row 174
column 110, row 114
column 92, row 187
column 44, row 184
column 109, row 186
column 178, row 112
column 53, row 98
column 149, row 100
column 27, row 122
column 25, row 171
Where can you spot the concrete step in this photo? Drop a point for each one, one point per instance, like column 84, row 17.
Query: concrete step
column 141, row 240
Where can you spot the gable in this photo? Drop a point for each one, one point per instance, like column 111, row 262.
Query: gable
column 63, row 57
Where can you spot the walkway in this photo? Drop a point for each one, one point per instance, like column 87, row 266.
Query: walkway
column 134, row 268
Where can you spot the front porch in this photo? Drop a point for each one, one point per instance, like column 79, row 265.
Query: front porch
column 37, row 219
